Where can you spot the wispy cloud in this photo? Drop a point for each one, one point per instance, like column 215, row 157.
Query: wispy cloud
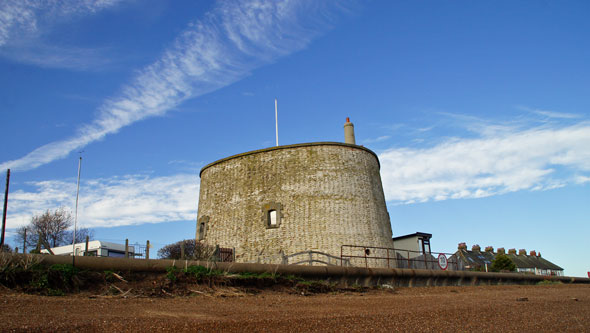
column 532, row 159
column 378, row 139
column 582, row 179
column 24, row 24
column 550, row 114
column 25, row 18
column 110, row 202
column 497, row 162
column 52, row 56
column 224, row 46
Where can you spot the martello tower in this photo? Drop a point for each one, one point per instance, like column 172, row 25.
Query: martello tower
column 282, row 200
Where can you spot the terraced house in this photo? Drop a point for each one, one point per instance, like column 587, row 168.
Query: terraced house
column 531, row 263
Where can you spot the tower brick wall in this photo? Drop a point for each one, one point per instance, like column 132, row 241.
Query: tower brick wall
column 324, row 195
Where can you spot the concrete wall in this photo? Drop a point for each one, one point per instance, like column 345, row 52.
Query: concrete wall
column 344, row 276
column 327, row 194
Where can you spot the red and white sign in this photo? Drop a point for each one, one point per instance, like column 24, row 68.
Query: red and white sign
column 443, row 263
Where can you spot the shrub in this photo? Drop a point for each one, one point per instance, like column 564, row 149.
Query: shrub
column 503, row 262
column 192, row 250
column 201, row 271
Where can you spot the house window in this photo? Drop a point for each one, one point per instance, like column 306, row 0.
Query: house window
column 272, row 215
column 202, row 227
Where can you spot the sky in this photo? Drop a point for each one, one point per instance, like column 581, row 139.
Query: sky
column 478, row 111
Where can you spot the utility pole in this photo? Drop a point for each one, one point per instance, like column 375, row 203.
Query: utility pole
column 5, row 207
column 76, row 214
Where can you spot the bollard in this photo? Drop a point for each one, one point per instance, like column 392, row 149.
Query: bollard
column 147, row 249
column 86, row 250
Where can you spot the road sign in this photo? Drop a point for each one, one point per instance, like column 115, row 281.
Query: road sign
column 443, row 263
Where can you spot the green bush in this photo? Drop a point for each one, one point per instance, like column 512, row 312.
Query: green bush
column 66, row 271
column 201, row 271
column 171, row 273
column 503, row 262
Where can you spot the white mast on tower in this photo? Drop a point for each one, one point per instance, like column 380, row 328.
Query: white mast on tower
column 276, row 122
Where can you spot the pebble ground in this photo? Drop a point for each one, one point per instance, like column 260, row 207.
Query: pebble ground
column 542, row 308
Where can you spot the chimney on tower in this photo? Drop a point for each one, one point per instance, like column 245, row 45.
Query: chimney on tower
column 349, row 132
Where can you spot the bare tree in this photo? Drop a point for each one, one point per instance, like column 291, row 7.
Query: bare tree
column 52, row 227
column 80, row 235
column 25, row 232
column 192, row 249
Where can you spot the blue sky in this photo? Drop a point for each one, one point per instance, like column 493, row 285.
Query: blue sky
column 479, row 111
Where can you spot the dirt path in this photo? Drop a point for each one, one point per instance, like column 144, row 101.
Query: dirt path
column 489, row 308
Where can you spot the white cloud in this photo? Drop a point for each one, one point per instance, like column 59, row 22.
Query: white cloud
column 110, row 202
column 223, row 47
column 379, row 139
column 24, row 18
column 505, row 162
column 52, row 56
column 458, row 168
column 550, row 114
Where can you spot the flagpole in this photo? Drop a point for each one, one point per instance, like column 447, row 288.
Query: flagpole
column 276, row 122
column 76, row 214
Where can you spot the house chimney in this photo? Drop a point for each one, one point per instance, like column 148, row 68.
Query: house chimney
column 512, row 251
column 522, row 252
column 475, row 247
column 490, row 249
column 501, row 250
column 349, row 132
column 533, row 253
column 462, row 246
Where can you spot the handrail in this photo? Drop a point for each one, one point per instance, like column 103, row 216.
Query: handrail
column 394, row 257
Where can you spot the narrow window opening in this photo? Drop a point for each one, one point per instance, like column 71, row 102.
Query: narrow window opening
column 272, row 218
column 201, row 230
column 271, row 215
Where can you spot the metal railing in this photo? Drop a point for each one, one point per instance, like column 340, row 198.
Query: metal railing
column 374, row 256
column 310, row 257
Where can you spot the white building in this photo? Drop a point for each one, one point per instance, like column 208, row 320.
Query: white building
column 95, row 248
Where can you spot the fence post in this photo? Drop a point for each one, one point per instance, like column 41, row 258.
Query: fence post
column 38, row 248
column 126, row 248
column 86, row 250
column 147, row 249
column 182, row 250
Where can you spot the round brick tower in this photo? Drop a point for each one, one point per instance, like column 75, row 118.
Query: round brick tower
column 271, row 203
